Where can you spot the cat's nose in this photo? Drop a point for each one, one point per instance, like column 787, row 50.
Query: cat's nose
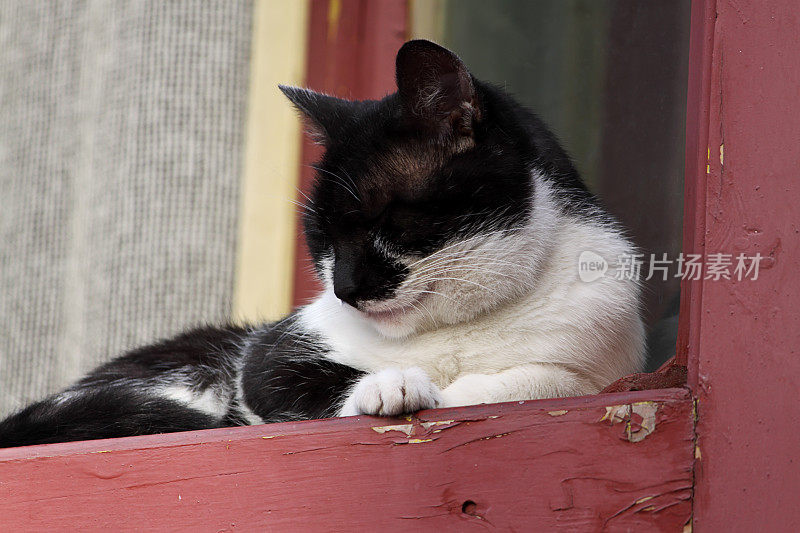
column 347, row 277
column 346, row 292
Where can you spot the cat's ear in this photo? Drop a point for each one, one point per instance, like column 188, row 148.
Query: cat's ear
column 436, row 89
column 325, row 114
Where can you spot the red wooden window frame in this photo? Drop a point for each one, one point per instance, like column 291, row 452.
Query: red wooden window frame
column 740, row 339
column 718, row 455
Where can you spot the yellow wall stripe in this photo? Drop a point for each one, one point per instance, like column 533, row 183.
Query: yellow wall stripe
column 426, row 20
column 267, row 228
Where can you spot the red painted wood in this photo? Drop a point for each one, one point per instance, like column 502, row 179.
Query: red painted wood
column 351, row 53
column 694, row 209
column 669, row 376
column 525, row 466
column 746, row 369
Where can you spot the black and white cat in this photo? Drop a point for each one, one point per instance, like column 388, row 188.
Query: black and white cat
column 446, row 223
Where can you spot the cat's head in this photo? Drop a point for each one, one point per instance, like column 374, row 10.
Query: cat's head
column 420, row 214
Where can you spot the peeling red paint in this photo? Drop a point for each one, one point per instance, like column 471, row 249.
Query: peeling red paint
column 506, row 466
column 741, row 337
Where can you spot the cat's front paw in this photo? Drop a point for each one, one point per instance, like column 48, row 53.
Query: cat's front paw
column 392, row 392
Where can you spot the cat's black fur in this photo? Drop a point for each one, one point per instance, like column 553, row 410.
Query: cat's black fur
column 492, row 179
column 444, row 157
column 285, row 378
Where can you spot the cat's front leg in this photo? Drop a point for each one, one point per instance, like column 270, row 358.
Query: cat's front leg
column 524, row 382
column 392, row 392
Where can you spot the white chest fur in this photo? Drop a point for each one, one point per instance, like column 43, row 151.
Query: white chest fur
column 591, row 328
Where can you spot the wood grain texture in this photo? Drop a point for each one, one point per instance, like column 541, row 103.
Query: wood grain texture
column 745, row 370
column 584, row 463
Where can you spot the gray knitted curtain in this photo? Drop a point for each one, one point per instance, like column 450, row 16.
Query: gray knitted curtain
column 121, row 139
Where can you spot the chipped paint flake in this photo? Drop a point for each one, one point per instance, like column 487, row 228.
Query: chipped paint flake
column 616, row 413
column 636, row 427
column 419, row 441
column 647, row 410
column 721, row 153
column 408, row 429
column 562, row 412
column 646, row 498
column 697, row 454
column 428, row 425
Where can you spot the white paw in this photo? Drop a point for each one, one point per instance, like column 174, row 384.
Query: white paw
column 392, row 392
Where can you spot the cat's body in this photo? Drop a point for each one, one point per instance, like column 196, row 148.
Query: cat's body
column 446, row 225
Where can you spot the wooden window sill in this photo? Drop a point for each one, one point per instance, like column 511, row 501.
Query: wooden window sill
column 582, row 462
